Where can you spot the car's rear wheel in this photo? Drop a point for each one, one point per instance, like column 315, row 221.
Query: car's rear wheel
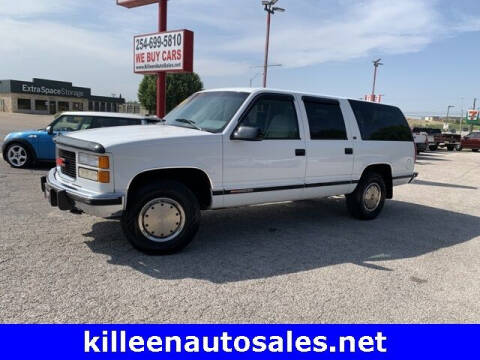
column 450, row 147
column 475, row 150
column 18, row 156
column 433, row 147
column 163, row 218
column 367, row 201
column 459, row 148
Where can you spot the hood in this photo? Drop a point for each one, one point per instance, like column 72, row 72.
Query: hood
column 24, row 133
column 120, row 135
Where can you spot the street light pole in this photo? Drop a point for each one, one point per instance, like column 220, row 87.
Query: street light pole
column 270, row 9
column 448, row 113
column 376, row 64
column 267, row 44
column 253, row 78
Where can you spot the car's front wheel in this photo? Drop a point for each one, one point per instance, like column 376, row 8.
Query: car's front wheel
column 367, row 201
column 18, row 156
column 163, row 218
column 450, row 147
column 433, row 147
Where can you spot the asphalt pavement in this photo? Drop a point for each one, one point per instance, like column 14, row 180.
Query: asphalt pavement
column 305, row 262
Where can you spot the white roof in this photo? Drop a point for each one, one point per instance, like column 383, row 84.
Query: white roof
column 106, row 114
column 280, row 91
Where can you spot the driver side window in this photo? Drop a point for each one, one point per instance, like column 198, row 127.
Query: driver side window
column 275, row 116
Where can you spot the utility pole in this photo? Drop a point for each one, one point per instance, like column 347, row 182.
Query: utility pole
column 260, row 73
column 376, row 64
column 461, row 117
column 448, row 116
column 474, row 108
column 270, row 9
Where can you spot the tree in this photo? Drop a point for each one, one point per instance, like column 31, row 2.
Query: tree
column 147, row 93
column 179, row 87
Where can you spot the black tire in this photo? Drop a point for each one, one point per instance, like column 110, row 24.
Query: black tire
column 475, row 150
column 459, row 148
column 450, row 147
column 21, row 149
column 144, row 198
column 356, row 204
column 433, row 147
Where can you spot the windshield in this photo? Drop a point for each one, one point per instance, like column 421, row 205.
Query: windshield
column 209, row 111
column 70, row 123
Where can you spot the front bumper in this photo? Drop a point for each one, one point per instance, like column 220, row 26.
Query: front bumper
column 67, row 198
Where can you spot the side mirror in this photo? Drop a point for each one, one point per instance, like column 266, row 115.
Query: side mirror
column 247, row 133
column 49, row 129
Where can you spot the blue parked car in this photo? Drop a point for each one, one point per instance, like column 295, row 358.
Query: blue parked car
column 24, row 148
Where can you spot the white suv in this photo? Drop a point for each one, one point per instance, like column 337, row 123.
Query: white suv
column 227, row 148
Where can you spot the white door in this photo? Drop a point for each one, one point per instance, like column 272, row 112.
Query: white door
column 330, row 152
column 272, row 169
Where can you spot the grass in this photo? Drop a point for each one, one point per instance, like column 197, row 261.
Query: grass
column 439, row 125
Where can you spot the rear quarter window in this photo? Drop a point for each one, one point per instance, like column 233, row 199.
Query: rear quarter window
column 381, row 122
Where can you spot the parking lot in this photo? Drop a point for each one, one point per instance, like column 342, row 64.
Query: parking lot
column 300, row 262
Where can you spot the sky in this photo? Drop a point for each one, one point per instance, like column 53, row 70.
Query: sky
column 430, row 48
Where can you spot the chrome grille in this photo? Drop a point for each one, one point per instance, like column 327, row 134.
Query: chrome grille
column 69, row 166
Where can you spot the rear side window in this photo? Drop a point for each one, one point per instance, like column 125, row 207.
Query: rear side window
column 381, row 122
column 325, row 119
column 100, row 122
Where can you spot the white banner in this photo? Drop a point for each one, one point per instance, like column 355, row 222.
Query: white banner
column 161, row 52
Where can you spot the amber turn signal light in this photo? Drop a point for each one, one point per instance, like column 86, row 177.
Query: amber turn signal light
column 103, row 162
column 104, row 177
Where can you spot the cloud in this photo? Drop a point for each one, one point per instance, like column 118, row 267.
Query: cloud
column 219, row 68
column 363, row 27
column 27, row 8
column 50, row 40
column 90, row 41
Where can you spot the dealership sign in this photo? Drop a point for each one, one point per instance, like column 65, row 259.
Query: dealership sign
column 135, row 3
column 170, row 51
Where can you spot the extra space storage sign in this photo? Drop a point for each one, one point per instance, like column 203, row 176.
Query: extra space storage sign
column 170, row 51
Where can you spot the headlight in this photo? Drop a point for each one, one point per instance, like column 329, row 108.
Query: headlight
column 88, row 174
column 101, row 176
column 101, row 162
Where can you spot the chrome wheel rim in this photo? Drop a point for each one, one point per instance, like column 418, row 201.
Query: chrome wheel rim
column 17, row 155
column 161, row 219
column 372, row 196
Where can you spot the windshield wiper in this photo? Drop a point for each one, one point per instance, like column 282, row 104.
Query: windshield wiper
column 190, row 122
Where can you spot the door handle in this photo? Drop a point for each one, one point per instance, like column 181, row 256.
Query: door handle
column 348, row 151
column 300, row 152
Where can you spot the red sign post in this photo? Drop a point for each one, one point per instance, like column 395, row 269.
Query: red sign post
column 161, row 52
